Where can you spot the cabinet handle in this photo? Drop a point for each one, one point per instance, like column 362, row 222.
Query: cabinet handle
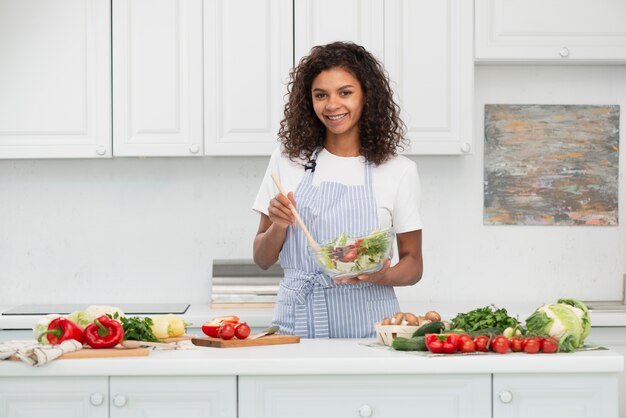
column 101, row 150
column 119, row 400
column 96, row 399
column 506, row 396
column 466, row 147
column 194, row 148
column 564, row 52
column 365, row 411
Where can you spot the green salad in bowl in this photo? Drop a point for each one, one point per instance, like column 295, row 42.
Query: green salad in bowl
column 346, row 257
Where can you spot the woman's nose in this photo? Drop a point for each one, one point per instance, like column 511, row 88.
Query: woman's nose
column 332, row 103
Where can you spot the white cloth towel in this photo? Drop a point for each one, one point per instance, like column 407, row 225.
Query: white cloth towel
column 34, row 353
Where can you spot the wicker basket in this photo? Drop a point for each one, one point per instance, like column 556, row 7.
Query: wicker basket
column 386, row 333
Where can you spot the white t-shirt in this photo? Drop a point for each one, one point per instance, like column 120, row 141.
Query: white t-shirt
column 395, row 184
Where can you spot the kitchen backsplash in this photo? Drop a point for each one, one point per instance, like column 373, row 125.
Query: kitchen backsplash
column 146, row 230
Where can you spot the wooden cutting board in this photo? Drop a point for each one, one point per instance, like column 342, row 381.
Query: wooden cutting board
column 101, row 353
column 106, row 352
column 273, row 339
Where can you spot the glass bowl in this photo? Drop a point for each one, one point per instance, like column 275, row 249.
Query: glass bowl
column 346, row 257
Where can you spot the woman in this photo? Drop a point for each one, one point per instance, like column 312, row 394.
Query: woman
column 339, row 154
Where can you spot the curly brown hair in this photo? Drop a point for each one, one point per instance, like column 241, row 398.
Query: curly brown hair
column 381, row 130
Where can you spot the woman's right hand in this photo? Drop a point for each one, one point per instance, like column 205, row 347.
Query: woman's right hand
column 279, row 210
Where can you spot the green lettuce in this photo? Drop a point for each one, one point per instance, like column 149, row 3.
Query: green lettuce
column 567, row 321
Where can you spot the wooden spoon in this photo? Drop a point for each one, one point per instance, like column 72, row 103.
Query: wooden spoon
column 314, row 245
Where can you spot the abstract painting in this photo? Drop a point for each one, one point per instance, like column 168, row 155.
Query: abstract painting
column 551, row 165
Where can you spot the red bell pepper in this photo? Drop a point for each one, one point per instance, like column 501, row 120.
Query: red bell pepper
column 104, row 332
column 442, row 343
column 62, row 329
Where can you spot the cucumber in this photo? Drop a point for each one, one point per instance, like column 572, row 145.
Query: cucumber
column 432, row 328
column 409, row 344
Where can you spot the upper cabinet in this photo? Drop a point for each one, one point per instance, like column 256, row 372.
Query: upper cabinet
column 428, row 53
column 209, row 77
column 157, row 78
column 553, row 31
column 359, row 21
column 248, row 52
column 55, row 79
column 426, row 46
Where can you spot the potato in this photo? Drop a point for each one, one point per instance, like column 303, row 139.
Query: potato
column 424, row 321
column 433, row 316
column 397, row 318
column 411, row 319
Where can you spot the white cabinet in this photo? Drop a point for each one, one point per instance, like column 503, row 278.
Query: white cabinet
column 54, row 397
column 55, row 79
column 428, row 53
column 578, row 395
column 359, row 21
column 447, row 396
column 613, row 338
column 157, row 78
column 189, row 397
column 248, row 51
column 554, row 31
column 118, row 397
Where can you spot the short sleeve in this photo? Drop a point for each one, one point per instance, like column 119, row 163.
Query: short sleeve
column 406, row 214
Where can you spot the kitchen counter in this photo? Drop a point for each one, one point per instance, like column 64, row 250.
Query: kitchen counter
column 197, row 314
column 320, row 357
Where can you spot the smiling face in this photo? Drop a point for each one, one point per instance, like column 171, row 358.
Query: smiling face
column 338, row 103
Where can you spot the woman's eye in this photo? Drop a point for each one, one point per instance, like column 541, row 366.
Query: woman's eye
column 319, row 95
column 346, row 93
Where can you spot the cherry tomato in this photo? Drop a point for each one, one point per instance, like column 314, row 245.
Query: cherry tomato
column 467, row 345
column 226, row 331
column 516, row 344
column 481, row 342
column 242, row 330
column 532, row 345
column 500, row 344
column 211, row 329
column 549, row 345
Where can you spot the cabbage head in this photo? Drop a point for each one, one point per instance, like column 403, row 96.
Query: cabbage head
column 567, row 321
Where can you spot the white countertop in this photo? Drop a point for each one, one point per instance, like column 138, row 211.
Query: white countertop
column 319, row 357
column 198, row 314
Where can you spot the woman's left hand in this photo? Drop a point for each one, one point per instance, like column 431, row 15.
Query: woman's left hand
column 369, row 278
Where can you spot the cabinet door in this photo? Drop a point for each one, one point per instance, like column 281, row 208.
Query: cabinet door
column 157, row 77
column 447, row 396
column 248, row 52
column 55, row 99
column 429, row 56
column 556, row 30
column 159, row 397
column 351, row 20
column 54, row 397
column 583, row 395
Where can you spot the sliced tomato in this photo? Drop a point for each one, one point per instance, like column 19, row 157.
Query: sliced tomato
column 231, row 319
column 211, row 329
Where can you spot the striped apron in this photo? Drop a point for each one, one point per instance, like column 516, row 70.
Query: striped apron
column 309, row 303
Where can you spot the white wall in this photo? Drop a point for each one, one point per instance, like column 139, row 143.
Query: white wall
column 145, row 230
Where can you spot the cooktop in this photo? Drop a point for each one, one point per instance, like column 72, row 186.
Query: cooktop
column 128, row 309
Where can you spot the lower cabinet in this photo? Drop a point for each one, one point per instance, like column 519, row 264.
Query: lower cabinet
column 519, row 395
column 449, row 396
column 581, row 395
column 118, row 397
